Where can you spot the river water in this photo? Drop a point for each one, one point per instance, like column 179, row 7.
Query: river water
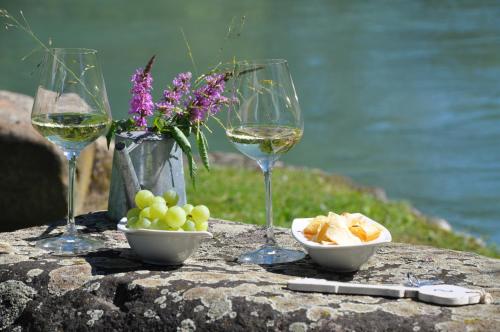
column 404, row 95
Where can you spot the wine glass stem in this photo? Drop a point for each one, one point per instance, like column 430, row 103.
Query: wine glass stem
column 70, row 227
column 270, row 241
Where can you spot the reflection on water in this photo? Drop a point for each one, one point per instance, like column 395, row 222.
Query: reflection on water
column 404, row 95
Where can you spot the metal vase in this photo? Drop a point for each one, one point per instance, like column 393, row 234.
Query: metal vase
column 157, row 163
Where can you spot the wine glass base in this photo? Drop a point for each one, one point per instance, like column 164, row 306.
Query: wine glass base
column 268, row 255
column 70, row 244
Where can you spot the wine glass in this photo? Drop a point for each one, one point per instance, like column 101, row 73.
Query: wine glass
column 265, row 122
column 71, row 110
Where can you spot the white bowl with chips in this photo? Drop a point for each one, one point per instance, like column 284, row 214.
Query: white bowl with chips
column 161, row 247
column 339, row 258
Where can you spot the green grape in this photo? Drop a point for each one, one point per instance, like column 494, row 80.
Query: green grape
column 143, row 198
column 171, row 197
column 188, row 208
column 144, row 223
column 145, row 213
column 200, row 214
column 157, row 210
column 133, row 213
column 189, row 225
column 164, row 227
column 158, row 199
column 175, row 217
column 162, row 224
column 132, row 222
column 155, row 224
column 202, row 226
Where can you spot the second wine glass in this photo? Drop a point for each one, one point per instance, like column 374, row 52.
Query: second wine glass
column 265, row 122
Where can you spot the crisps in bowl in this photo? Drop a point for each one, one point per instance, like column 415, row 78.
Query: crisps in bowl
column 341, row 243
column 344, row 229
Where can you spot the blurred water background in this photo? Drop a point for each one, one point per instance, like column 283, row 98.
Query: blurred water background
column 404, row 95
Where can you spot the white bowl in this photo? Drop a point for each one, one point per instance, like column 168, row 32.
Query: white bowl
column 339, row 258
column 162, row 247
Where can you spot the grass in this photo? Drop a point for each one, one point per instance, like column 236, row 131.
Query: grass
column 238, row 194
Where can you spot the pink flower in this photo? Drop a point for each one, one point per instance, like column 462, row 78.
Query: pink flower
column 141, row 102
column 208, row 99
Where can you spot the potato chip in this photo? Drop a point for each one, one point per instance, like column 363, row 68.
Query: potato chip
column 312, row 229
column 338, row 231
column 358, row 231
column 321, row 234
column 337, row 220
column 362, row 227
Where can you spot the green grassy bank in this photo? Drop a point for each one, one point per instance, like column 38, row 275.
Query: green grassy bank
column 238, row 194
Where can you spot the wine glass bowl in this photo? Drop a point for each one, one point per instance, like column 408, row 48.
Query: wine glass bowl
column 265, row 122
column 71, row 110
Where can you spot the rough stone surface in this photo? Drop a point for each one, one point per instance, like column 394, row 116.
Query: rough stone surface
column 113, row 290
column 14, row 295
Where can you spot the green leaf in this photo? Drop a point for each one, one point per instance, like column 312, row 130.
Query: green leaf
column 159, row 123
column 192, row 168
column 118, row 126
column 125, row 125
column 181, row 139
column 111, row 132
column 183, row 142
column 203, row 149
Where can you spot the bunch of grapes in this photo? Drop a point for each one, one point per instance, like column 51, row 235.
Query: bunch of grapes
column 161, row 212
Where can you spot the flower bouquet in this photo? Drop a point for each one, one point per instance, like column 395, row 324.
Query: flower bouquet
column 184, row 109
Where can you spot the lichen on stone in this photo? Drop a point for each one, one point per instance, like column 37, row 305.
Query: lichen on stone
column 14, row 296
column 95, row 315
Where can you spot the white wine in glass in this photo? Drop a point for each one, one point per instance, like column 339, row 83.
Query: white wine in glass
column 71, row 110
column 265, row 122
column 261, row 142
column 71, row 131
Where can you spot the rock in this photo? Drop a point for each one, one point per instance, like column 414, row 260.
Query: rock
column 34, row 170
column 5, row 248
column 438, row 222
column 14, row 295
column 113, row 290
column 441, row 223
column 68, row 278
column 99, row 181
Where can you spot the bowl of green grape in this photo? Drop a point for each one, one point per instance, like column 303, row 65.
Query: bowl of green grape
column 162, row 233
